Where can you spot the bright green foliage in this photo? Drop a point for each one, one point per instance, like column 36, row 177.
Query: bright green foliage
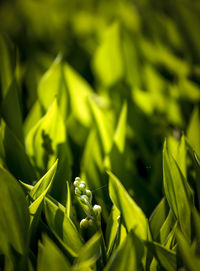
column 178, row 192
column 50, row 257
column 108, row 91
column 127, row 207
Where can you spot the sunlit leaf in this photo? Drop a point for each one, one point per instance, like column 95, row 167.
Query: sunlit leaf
column 37, row 195
column 132, row 214
column 193, row 132
column 158, row 218
column 43, row 183
column 52, row 86
column 50, row 257
column 166, row 257
column 178, row 192
column 128, row 256
column 79, row 91
column 89, row 254
column 107, row 62
column 115, row 231
column 105, row 129
column 44, row 138
column 63, row 227
column 33, row 117
column 68, row 208
column 178, row 151
column 190, row 260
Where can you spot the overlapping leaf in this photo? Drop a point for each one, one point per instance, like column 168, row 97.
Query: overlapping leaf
column 178, row 192
column 132, row 214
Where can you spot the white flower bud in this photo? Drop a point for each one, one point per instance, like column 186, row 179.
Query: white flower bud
column 91, row 222
column 85, row 199
column 82, row 187
column 76, row 183
column 84, row 223
column 97, row 209
column 88, row 193
column 77, row 191
column 78, row 179
column 82, row 182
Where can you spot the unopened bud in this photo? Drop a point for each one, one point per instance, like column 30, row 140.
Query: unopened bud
column 84, row 223
column 78, row 179
column 82, row 187
column 77, row 191
column 76, row 183
column 97, row 209
column 84, row 199
column 88, row 193
column 90, row 222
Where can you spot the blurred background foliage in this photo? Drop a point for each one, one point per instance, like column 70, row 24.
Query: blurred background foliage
column 110, row 64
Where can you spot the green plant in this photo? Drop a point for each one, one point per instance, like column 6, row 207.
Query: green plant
column 132, row 135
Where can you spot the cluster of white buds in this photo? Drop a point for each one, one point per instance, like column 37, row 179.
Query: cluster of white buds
column 85, row 197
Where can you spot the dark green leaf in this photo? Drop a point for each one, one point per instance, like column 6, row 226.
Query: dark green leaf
column 15, row 157
column 14, row 216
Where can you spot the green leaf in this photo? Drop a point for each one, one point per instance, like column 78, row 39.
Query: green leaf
column 116, row 160
column 158, row 218
column 11, row 111
column 79, row 91
column 7, row 64
column 132, row 214
column 196, row 164
column 93, row 170
column 37, row 194
column 128, row 256
column 41, row 186
column 115, row 231
column 62, row 227
column 108, row 62
column 143, row 100
column 14, row 155
column 178, row 192
column 178, row 151
column 14, row 216
column 89, row 254
column 196, row 223
column 104, row 127
column 50, row 257
column 68, row 208
column 189, row 90
column 53, row 86
column 193, row 132
column 161, row 222
column 166, row 257
column 120, row 133
column 166, row 228
column 190, row 260
column 34, row 115
column 44, row 138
